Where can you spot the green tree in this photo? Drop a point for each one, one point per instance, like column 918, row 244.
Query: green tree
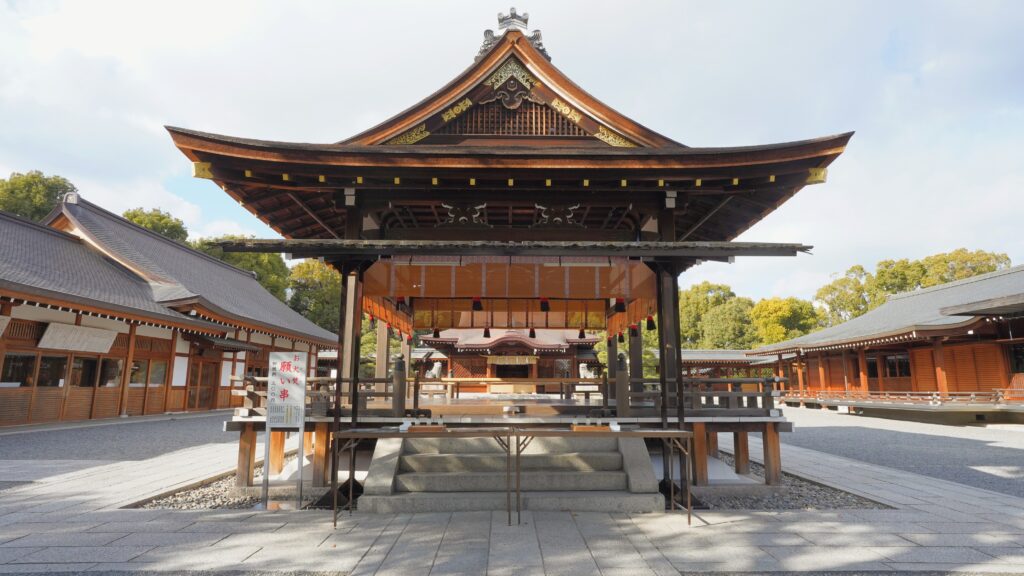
column 845, row 297
column 158, row 221
column 728, row 326
column 32, row 195
column 778, row 319
column 270, row 269
column 959, row 264
column 315, row 292
column 694, row 303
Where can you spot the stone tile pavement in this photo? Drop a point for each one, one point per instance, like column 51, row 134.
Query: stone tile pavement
column 934, row 525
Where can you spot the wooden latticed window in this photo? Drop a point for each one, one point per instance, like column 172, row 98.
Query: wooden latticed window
column 530, row 119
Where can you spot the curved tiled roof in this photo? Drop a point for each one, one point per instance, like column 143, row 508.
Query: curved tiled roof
column 178, row 272
column 910, row 312
column 42, row 261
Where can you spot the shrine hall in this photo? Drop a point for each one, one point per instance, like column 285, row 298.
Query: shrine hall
column 512, row 201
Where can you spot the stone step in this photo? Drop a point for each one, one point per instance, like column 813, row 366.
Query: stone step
column 578, row 461
column 542, row 480
column 489, row 445
column 588, row 501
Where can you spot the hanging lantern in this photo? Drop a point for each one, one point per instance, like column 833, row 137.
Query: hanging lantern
column 634, row 330
column 582, row 334
column 622, row 339
column 620, row 304
column 437, row 333
column 545, row 306
column 408, row 339
column 533, row 332
column 487, row 332
column 478, row 305
column 650, row 323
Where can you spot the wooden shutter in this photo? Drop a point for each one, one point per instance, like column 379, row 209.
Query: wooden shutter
column 924, row 370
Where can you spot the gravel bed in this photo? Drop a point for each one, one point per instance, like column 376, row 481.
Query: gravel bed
column 800, row 494
column 220, row 494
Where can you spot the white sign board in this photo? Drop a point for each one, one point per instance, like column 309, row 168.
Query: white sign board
column 286, row 390
column 77, row 338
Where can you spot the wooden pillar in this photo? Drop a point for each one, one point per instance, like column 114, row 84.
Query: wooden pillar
column 772, row 454
column 846, row 371
column 276, row 452
column 636, row 360
column 245, row 469
column 380, row 369
column 700, row 454
column 800, row 374
column 713, row 444
column 862, row 367
column 741, row 452
column 880, row 368
column 613, row 354
column 127, row 371
column 352, row 353
column 352, row 317
column 822, row 378
column 940, row 367
column 307, row 443
column 321, row 469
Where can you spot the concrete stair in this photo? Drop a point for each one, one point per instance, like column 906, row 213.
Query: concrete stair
column 457, row 474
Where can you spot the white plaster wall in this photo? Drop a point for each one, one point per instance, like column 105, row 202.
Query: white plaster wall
column 154, row 332
column 261, row 339
column 28, row 312
column 105, row 323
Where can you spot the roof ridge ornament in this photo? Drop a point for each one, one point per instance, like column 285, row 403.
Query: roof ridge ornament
column 512, row 21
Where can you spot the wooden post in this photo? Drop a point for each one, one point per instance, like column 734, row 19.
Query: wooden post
column 127, row 371
column 822, row 378
column 880, row 368
column 846, row 371
column 636, row 360
column 741, row 452
column 800, row 374
column 321, row 471
column 772, row 455
column 276, row 463
column 613, row 353
column 246, row 467
column 700, row 454
column 356, row 316
column 940, row 367
column 307, row 443
column 713, row 444
column 862, row 367
column 380, row 369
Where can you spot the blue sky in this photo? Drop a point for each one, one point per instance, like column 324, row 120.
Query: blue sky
column 935, row 91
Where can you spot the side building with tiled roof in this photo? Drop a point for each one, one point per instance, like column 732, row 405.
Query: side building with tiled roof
column 961, row 337
column 100, row 317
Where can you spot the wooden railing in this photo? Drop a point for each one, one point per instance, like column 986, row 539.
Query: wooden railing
column 713, row 396
column 995, row 396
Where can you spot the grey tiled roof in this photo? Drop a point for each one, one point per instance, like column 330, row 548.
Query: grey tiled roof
column 908, row 312
column 731, row 356
column 179, row 272
column 41, row 261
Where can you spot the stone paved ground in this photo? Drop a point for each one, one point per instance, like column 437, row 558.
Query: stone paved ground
column 935, row 525
column 990, row 458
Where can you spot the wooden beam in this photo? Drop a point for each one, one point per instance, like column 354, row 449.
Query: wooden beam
column 313, row 215
column 707, row 216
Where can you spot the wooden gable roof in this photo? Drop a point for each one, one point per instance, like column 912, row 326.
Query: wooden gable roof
column 511, row 93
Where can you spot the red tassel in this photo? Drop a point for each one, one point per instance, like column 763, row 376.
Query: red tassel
column 545, row 306
column 622, row 339
column 634, row 330
column 533, row 333
column 620, row 304
column 650, row 323
column 478, row 305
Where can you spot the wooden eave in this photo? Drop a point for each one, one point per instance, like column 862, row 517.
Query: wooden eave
column 512, row 43
column 204, row 309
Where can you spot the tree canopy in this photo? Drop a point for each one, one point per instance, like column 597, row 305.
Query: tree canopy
column 270, row 269
column 777, row 319
column 158, row 221
column 728, row 326
column 694, row 303
column 858, row 290
column 32, row 195
column 315, row 292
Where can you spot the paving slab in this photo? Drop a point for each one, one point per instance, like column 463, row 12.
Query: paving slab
column 76, row 554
